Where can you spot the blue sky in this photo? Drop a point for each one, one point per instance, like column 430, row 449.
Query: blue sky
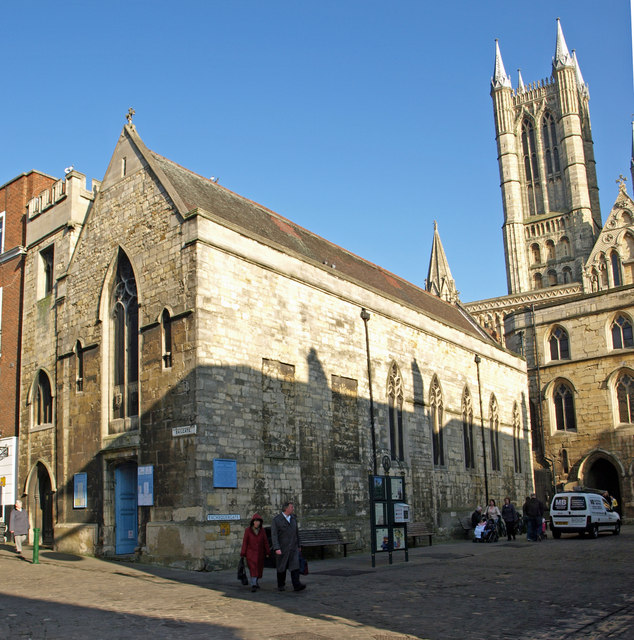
column 363, row 121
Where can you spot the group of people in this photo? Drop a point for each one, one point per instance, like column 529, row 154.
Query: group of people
column 532, row 513
column 285, row 543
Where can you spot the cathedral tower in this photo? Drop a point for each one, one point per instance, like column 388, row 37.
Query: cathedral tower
column 547, row 173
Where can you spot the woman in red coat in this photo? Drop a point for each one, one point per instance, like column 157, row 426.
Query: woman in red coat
column 254, row 547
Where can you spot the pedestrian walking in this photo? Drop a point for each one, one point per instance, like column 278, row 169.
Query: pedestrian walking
column 535, row 518
column 255, row 547
column 509, row 515
column 285, row 541
column 19, row 526
column 492, row 512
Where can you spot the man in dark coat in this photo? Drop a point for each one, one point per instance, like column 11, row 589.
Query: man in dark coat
column 285, row 542
column 535, row 514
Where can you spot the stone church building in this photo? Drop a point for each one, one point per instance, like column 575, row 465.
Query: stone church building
column 190, row 357
column 570, row 304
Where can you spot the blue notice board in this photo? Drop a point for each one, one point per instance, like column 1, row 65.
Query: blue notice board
column 80, row 493
column 225, row 473
column 145, row 481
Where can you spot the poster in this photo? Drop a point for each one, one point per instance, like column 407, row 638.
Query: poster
column 378, row 488
column 397, row 488
column 80, row 492
column 145, row 478
column 399, row 538
column 379, row 514
column 382, row 539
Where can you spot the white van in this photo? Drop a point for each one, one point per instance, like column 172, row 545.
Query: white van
column 580, row 512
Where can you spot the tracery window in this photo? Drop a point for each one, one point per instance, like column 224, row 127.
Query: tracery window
column 622, row 333
column 615, row 261
column 495, row 434
column 531, row 167
column 559, row 345
column 563, row 399
column 125, row 329
column 467, row 429
column 436, row 417
column 395, row 412
column 625, row 397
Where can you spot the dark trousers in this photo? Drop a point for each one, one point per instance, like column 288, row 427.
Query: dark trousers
column 281, row 578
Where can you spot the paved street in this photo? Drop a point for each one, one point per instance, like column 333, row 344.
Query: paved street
column 573, row 589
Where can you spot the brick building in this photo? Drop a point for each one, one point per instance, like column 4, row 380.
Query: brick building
column 13, row 198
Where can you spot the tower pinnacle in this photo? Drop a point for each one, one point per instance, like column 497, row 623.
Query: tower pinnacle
column 562, row 55
column 439, row 280
column 500, row 79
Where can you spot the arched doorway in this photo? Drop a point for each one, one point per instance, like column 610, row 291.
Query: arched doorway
column 603, row 475
column 40, row 503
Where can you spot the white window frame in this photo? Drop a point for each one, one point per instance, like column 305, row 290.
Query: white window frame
column 3, row 230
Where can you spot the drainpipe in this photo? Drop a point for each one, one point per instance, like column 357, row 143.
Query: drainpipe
column 477, row 361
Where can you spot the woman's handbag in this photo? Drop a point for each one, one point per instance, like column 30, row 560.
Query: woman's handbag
column 242, row 574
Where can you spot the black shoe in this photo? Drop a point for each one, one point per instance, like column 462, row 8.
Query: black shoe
column 282, row 588
column 299, row 587
column 254, row 589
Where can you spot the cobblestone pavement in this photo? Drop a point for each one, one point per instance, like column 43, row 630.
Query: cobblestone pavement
column 568, row 589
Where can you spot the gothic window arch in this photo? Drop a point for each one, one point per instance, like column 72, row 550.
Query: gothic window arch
column 42, row 400
column 166, row 338
column 395, row 412
column 517, row 439
column 494, row 431
column 531, row 167
column 551, row 156
column 467, row 429
column 537, row 281
column 536, row 253
column 565, row 464
column 625, row 397
column 559, row 344
column 125, row 341
column 621, row 329
column 564, row 405
column 615, row 263
column 436, row 418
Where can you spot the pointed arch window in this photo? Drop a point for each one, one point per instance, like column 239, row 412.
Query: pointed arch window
column 467, row 429
column 166, row 331
column 517, row 440
column 615, row 261
column 494, row 433
column 125, row 329
column 395, row 412
column 531, row 167
column 559, row 345
column 563, row 399
column 79, row 366
column 625, row 397
column 436, row 417
column 565, row 464
column 43, row 400
column 622, row 337
column 549, row 139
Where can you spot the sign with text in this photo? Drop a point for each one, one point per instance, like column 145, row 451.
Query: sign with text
column 188, row 430
column 225, row 473
column 80, row 491
column 145, row 481
column 222, row 516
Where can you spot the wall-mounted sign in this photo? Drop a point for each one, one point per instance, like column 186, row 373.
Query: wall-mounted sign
column 145, row 482
column 188, row 430
column 222, row 516
column 225, row 473
column 225, row 528
column 80, row 492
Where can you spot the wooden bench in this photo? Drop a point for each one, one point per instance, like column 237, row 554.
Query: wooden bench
column 417, row 530
column 465, row 523
column 322, row 538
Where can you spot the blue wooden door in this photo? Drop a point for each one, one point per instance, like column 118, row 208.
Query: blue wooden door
column 125, row 500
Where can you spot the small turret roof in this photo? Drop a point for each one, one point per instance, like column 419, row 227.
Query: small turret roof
column 520, row 81
column 439, row 279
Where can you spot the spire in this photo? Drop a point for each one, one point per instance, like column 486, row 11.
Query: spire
column 500, row 79
column 439, row 281
column 520, row 81
column 562, row 56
